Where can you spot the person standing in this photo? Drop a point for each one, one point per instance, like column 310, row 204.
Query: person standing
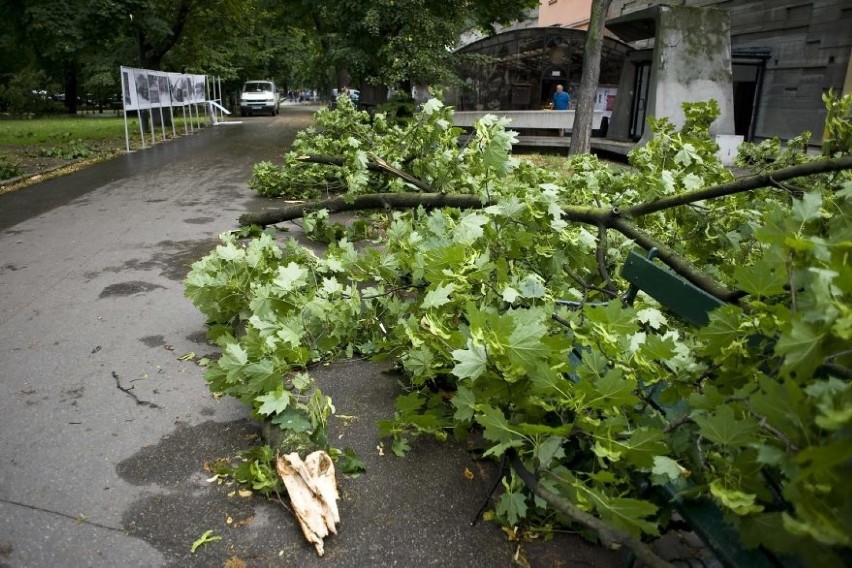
column 561, row 100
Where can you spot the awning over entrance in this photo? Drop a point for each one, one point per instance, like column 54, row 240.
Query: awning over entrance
column 519, row 69
column 635, row 26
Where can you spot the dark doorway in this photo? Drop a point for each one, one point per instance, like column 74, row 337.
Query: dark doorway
column 639, row 108
column 747, row 77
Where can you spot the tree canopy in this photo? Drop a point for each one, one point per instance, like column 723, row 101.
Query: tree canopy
column 50, row 45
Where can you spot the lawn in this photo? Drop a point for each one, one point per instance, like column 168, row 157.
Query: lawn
column 35, row 146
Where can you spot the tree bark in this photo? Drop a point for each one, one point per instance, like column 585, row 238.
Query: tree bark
column 363, row 203
column 71, row 87
column 581, row 133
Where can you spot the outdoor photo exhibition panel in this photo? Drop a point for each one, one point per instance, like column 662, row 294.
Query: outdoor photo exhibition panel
column 150, row 92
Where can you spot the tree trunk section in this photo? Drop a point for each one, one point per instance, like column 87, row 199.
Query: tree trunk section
column 581, row 132
column 71, row 87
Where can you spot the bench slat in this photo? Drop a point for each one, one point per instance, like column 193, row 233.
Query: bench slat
column 681, row 297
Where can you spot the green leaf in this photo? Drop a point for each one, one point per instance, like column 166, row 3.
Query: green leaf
column 400, row 447
column 644, row 446
column 471, row 361
column 273, row 402
column 625, row 513
column 723, row 329
column 439, row 296
column 524, row 345
column 532, row 286
column 512, row 506
column 469, row 228
column 762, row 279
column 808, row 207
column 497, row 430
column 724, row 428
column 349, row 463
column 290, row 277
column 464, row 402
column 293, row 420
column 800, row 348
column 420, row 362
column 549, row 450
column 666, row 470
column 652, row 317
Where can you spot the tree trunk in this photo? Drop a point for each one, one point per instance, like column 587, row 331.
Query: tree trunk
column 581, row 132
column 71, row 87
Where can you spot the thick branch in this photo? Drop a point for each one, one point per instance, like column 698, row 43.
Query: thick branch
column 378, row 165
column 741, row 185
column 363, row 203
column 680, row 264
column 609, row 536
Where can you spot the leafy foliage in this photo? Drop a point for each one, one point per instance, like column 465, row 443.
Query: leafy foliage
column 752, row 410
column 9, row 169
column 69, row 151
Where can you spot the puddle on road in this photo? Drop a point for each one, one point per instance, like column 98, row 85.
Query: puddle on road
column 185, row 505
column 174, row 259
column 128, row 289
column 181, row 454
column 153, row 340
column 199, row 220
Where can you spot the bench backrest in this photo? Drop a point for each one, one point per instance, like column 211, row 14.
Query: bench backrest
column 678, row 295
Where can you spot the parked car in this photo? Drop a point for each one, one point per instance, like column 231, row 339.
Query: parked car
column 259, row 96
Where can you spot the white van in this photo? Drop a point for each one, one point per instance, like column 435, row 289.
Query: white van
column 259, row 96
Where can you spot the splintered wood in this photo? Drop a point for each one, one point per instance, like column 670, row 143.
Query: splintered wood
column 312, row 487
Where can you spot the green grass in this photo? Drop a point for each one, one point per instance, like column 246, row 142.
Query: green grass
column 23, row 132
column 41, row 131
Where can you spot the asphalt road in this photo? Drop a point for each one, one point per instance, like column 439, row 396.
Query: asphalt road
column 105, row 431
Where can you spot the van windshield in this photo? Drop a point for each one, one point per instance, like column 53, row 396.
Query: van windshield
column 258, row 87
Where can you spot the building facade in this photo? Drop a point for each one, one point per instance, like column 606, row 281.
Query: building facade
column 785, row 54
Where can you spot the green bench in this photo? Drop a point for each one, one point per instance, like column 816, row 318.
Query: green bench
column 693, row 305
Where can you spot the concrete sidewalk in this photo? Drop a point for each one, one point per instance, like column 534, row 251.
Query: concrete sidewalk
column 106, row 431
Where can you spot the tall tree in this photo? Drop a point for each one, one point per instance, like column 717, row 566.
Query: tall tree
column 581, row 132
column 388, row 42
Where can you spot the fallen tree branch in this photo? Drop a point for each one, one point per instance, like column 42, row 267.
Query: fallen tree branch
column 611, row 218
column 363, row 203
column 378, row 165
column 741, row 185
column 609, row 536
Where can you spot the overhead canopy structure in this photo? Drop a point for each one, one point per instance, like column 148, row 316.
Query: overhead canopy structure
column 519, row 69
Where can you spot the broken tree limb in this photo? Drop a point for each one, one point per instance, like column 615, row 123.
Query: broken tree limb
column 741, row 185
column 377, row 165
column 610, row 218
column 312, row 487
column 362, row 203
column 610, row 537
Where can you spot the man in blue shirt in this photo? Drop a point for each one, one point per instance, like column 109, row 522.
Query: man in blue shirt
column 561, row 99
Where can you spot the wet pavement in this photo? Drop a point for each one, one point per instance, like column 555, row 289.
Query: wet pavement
column 106, row 431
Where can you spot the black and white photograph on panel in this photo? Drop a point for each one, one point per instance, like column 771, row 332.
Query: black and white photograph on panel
column 179, row 90
column 163, row 87
column 128, row 84
column 140, row 80
column 153, row 89
column 200, row 85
